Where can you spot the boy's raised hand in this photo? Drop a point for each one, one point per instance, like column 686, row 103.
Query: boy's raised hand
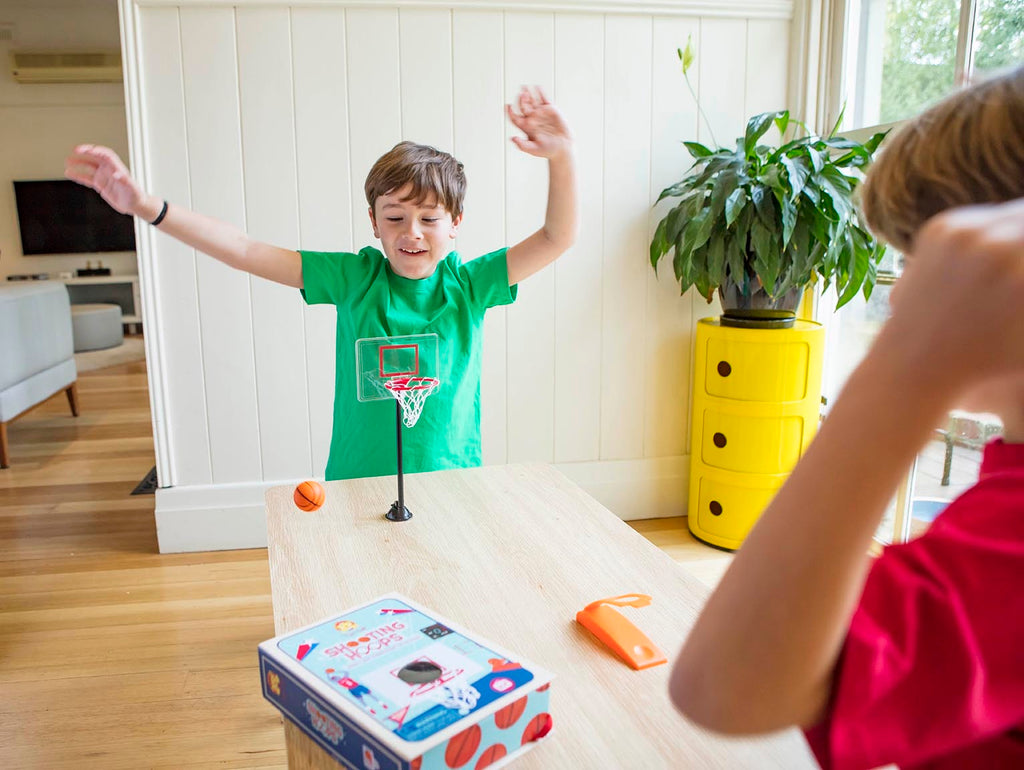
column 957, row 305
column 547, row 133
column 101, row 169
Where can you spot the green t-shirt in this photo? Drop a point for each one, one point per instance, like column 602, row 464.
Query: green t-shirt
column 373, row 301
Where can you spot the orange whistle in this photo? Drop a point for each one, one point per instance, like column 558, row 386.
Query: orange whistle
column 615, row 630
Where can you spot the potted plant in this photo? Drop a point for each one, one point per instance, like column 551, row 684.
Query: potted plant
column 761, row 223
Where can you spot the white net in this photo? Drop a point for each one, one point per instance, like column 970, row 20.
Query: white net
column 411, row 392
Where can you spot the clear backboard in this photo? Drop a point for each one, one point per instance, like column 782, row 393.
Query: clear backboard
column 380, row 360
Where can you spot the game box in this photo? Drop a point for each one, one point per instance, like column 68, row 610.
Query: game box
column 391, row 685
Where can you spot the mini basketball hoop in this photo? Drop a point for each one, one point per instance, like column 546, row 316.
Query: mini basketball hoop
column 411, row 392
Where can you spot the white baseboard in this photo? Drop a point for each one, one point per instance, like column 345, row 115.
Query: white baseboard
column 649, row 488
column 219, row 517
column 212, row 517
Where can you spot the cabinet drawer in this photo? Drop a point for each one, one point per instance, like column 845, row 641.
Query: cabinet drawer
column 727, row 512
column 756, row 371
column 751, row 444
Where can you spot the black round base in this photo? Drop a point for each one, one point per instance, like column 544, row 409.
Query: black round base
column 764, row 319
column 398, row 513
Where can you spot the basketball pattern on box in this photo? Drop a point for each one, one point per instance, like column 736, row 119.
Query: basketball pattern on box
column 391, row 685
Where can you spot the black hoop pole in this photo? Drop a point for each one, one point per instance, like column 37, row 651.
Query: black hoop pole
column 398, row 510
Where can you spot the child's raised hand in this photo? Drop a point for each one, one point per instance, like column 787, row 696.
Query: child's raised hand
column 958, row 302
column 547, row 133
column 100, row 168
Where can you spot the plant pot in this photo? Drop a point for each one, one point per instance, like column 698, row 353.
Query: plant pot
column 756, row 309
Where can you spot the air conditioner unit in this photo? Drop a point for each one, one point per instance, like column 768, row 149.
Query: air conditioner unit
column 66, row 66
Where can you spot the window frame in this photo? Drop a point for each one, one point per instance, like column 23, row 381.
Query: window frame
column 825, row 112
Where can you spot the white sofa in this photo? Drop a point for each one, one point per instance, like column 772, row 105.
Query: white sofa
column 36, row 353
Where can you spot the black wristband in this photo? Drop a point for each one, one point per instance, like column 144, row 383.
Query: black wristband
column 160, row 216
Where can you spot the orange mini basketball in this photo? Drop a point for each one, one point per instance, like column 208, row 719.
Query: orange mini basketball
column 309, row 495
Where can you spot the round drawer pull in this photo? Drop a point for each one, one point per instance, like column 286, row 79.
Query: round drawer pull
column 719, row 439
column 716, row 508
column 724, row 369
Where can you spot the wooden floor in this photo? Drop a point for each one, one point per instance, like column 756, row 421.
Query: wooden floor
column 112, row 655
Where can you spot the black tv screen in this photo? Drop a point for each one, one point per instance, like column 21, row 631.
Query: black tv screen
column 59, row 216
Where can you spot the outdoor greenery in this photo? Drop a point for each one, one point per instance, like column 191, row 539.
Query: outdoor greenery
column 920, row 49
column 770, row 219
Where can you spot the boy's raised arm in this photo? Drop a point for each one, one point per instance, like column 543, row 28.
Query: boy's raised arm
column 101, row 169
column 762, row 653
column 547, row 136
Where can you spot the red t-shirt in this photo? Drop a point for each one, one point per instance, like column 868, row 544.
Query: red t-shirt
column 932, row 671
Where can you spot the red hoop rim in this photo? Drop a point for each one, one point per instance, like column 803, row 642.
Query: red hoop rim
column 400, row 384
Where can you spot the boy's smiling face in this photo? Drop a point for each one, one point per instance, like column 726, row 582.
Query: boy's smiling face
column 415, row 235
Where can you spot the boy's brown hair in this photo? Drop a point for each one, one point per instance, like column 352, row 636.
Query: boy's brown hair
column 967, row 149
column 429, row 171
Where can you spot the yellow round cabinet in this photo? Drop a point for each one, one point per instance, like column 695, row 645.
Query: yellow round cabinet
column 756, row 400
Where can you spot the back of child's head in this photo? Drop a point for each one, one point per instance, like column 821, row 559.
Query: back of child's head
column 430, row 172
column 967, row 149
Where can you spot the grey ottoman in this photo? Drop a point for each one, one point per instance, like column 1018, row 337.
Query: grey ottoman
column 95, row 327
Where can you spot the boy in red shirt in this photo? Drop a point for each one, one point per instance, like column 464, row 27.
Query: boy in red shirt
column 916, row 658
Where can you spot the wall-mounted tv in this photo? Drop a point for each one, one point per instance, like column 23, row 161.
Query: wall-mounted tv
column 59, row 216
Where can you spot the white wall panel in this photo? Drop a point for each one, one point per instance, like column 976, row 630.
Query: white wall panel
column 215, row 168
column 271, row 209
column 529, row 60
column 767, row 63
column 425, row 54
column 374, row 102
column 579, row 54
column 721, row 80
column 173, row 266
column 627, row 169
column 324, row 192
column 479, row 141
column 669, row 327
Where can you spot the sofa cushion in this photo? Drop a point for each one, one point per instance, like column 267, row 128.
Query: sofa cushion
column 35, row 330
column 32, row 390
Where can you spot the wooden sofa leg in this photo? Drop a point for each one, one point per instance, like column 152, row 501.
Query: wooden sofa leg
column 72, row 392
column 5, row 458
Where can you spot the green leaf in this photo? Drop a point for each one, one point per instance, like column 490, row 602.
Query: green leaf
column 697, row 150
column 757, row 126
column 857, row 268
column 839, row 122
column 872, row 144
column 817, row 158
column 725, row 185
column 681, row 264
column 659, row 244
column 764, row 205
column 782, row 122
column 734, row 205
column 716, row 262
column 797, row 173
column 766, row 260
column 789, row 214
column 682, row 214
column 697, row 230
column 735, row 257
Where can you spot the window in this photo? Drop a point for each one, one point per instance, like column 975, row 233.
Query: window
column 900, row 57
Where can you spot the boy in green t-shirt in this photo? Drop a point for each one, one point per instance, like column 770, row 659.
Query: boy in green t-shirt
column 416, row 286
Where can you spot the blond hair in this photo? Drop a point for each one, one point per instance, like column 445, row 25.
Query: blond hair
column 429, row 171
column 967, row 149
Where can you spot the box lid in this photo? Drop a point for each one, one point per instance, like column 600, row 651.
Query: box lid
column 410, row 677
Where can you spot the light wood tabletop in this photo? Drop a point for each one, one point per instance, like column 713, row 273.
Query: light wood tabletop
column 512, row 553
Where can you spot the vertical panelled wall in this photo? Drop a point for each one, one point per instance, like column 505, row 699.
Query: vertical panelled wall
column 269, row 116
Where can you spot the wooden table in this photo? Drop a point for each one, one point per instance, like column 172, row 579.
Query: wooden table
column 512, row 552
